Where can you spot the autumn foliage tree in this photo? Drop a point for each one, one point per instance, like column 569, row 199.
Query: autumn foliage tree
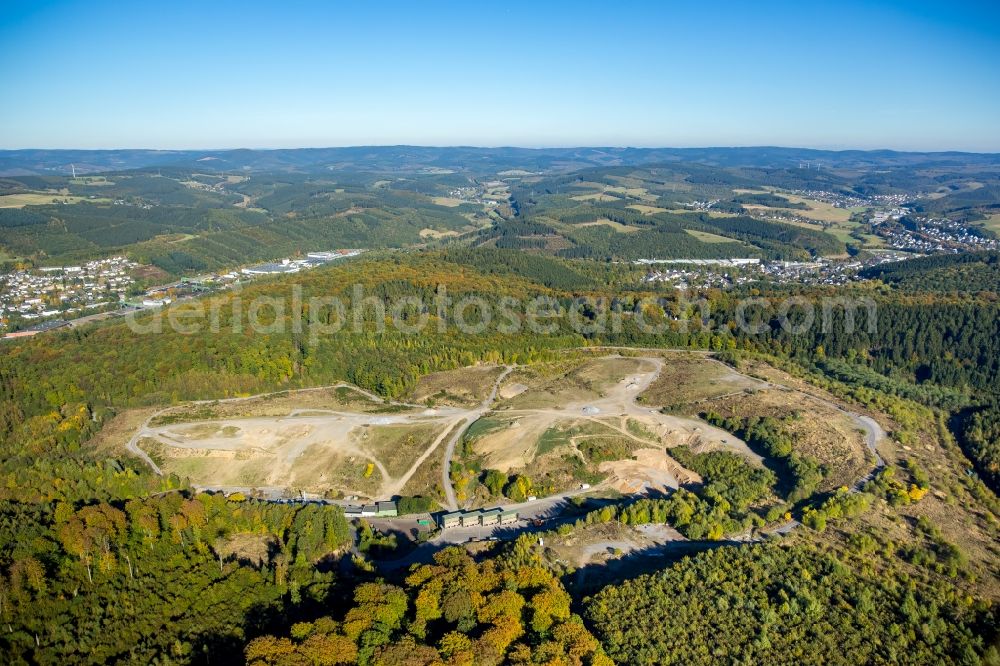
column 454, row 611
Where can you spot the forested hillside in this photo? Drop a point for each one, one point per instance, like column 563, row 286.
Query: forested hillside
column 453, row 611
column 397, row 157
column 56, row 390
column 788, row 604
column 961, row 273
column 633, row 213
column 143, row 578
column 185, row 214
column 486, row 405
column 103, row 531
column 182, row 222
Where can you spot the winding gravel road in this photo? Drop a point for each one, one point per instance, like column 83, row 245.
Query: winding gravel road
column 467, row 420
column 544, row 506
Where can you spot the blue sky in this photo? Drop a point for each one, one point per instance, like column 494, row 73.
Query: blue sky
column 905, row 75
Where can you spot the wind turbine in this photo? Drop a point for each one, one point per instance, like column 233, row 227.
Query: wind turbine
column 73, row 167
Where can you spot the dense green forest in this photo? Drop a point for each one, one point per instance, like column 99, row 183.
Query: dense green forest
column 545, row 270
column 164, row 577
column 960, row 273
column 799, row 474
column 767, row 199
column 505, row 610
column 789, row 604
column 981, row 435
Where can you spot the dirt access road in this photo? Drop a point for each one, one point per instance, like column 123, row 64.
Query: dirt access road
column 466, row 421
column 618, row 401
column 874, row 433
column 611, row 408
column 283, row 439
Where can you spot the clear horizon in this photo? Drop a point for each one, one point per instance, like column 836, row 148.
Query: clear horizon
column 908, row 76
column 499, row 147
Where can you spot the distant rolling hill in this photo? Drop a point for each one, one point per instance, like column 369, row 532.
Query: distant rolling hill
column 391, row 158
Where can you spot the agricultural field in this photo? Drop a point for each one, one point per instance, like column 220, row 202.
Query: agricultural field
column 819, row 215
column 614, row 226
column 608, row 192
column 185, row 221
column 434, row 234
column 447, row 202
column 594, row 196
column 646, row 209
column 819, row 210
column 41, row 198
column 813, row 209
column 812, row 214
column 91, row 180
column 648, row 213
column 840, row 230
column 706, row 237
column 992, row 222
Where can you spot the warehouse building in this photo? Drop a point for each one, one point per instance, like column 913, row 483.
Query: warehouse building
column 484, row 518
